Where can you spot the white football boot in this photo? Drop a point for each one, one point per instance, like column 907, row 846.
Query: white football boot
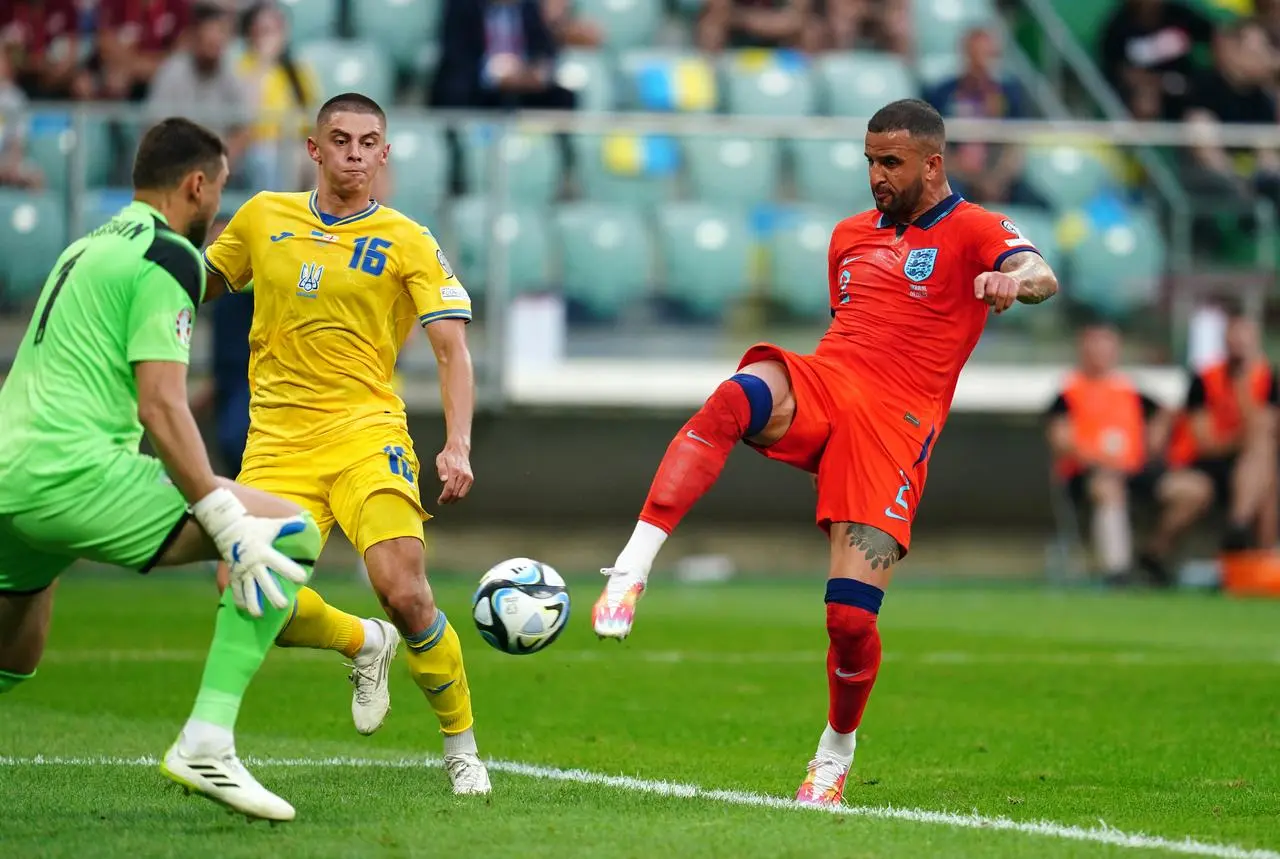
column 615, row 611
column 222, row 778
column 467, row 774
column 371, row 698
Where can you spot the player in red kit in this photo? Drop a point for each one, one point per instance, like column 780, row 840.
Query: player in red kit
column 911, row 285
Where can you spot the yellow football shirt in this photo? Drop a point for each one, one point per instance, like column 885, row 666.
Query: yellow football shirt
column 333, row 302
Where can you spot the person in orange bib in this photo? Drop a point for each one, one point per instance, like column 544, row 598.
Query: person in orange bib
column 1106, row 438
column 1223, row 448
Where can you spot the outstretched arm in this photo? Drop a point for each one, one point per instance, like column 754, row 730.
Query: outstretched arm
column 1036, row 281
column 458, row 394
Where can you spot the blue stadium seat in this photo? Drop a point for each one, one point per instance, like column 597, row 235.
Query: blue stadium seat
column 707, row 251
column 831, row 173
column 52, row 139
column 625, row 168
column 625, row 23
column 768, row 83
column 99, row 205
column 532, row 163
column 589, row 75
column 940, row 24
column 1068, row 176
column 859, row 84
column 311, row 19
column 33, row 231
column 1117, row 270
column 732, row 169
column 351, row 65
column 520, row 229
column 420, row 167
column 668, row 81
column 402, row 27
column 798, row 260
column 606, row 256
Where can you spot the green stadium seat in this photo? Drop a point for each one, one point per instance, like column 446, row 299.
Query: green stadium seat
column 940, row 24
column 625, row 23
column 831, row 173
column 99, row 205
column 532, row 163
column 690, row 9
column 626, row 169
column 663, row 80
column 311, row 19
column 798, row 260
column 768, row 83
column 419, row 167
column 589, row 76
column 732, row 169
column 33, row 232
column 606, row 255
column 520, row 229
column 707, row 251
column 351, row 65
column 859, row 84
column 1116, row 271
column 402, row 27
column 1038, row 226
column 51, row 140
column 1067, row 176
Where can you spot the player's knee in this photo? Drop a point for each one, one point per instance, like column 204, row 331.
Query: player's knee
column 1107, row 489
column 9, row 680
column 853, row 608
column 759, row 398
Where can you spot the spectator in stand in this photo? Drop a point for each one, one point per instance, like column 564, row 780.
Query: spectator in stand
column 764, row 24
column 275, row 83
column 1235, row 91
column 199, row 82
column 42, row 39
column 568, row 29
column 1107, row 438
column 984, row 173
column 1147, row 55
column 134, row 38
column 882, row 25
column 15, row 169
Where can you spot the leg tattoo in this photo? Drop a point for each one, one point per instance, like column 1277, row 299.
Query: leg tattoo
column 878, row 548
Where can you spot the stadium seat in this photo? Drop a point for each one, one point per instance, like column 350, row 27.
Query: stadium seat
column 936, row 68
column 99, row 205
column 667, row 81
column 232, row 201
column 831, row 172
column 940, row 24
column 732, row 169
column 589, row 76
column 606, row 255
column 707, row 252
column 520, row 229
column 532, row 163
column 768, row 83
column 1038, row 226
column 1116, row 271
column 420, row 167
column 1067, row 176
column 798, row 260
column 311, row 19
column 860, row 84
column 625, row 23
column 346, row 65
column 402, row 27
column 33, row 231
column 52, row 139
column 625, row 168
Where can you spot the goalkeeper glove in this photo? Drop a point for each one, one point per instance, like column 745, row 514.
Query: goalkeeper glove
column 246, row 543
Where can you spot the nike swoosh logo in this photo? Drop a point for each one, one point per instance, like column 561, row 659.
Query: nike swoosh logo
column 848, row 260
column 693, row 435
column 847, row 675
column 888, row 511
column 438, row 689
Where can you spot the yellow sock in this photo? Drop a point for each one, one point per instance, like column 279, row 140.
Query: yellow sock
column 435, row 660
column 320, row 626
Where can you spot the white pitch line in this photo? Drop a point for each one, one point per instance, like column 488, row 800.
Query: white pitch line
column 1100, row 834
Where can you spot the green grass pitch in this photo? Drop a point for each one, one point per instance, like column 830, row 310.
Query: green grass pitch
column 1006, row 723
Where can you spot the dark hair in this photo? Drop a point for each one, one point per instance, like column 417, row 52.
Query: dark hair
column 350, row 102
column 202, row 13
column 917, row 118
column 287, row 63
column 173, row 148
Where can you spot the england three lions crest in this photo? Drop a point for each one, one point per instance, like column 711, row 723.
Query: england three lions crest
column 919, row 264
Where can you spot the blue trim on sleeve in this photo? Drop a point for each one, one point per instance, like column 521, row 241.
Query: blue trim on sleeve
column 451, row 313
column 213, row 268
column 1010, row 252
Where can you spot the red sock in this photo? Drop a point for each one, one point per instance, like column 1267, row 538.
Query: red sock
column 854, row 650
column 696, row 456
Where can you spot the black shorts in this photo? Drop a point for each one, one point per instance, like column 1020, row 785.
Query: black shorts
column 1141, row 486
column 1221, row 472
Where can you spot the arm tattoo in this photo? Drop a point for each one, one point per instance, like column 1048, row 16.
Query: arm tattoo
column 877, row 547
column 1036, row 281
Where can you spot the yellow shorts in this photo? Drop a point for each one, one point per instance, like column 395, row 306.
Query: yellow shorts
column 334, row 480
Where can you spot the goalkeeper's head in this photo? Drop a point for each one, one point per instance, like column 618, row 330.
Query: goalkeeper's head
column 180, row 170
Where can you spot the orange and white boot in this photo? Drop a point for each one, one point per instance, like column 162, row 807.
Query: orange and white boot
column 823, row 785
column 615, row 611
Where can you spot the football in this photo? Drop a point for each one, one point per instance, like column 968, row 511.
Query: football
column 521, row 606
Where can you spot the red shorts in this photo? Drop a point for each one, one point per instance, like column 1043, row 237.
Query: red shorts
column 871, row 458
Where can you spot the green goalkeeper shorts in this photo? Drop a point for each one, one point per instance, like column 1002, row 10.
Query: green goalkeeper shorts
column 126, row 513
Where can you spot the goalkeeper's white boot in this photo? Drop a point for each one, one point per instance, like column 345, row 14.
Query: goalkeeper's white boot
column 615, row 611
column 467, row 774
column 371, row 698
column 222, row 778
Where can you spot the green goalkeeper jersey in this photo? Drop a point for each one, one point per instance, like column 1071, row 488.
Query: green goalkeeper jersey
column 126, row 292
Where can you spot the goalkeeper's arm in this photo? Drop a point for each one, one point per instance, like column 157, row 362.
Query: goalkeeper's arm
column 165, row 414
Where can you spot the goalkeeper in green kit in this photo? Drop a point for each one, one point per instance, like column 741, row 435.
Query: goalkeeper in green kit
column 105, row 358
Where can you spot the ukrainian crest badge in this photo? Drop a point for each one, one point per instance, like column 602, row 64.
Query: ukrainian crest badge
column 919, row 264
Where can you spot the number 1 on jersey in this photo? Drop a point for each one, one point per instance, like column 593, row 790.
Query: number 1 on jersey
column 63, row 273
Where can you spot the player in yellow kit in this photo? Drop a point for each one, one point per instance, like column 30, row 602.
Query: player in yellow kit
column 339, row 281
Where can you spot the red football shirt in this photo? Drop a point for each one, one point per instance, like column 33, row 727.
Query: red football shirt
column 904, row 319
